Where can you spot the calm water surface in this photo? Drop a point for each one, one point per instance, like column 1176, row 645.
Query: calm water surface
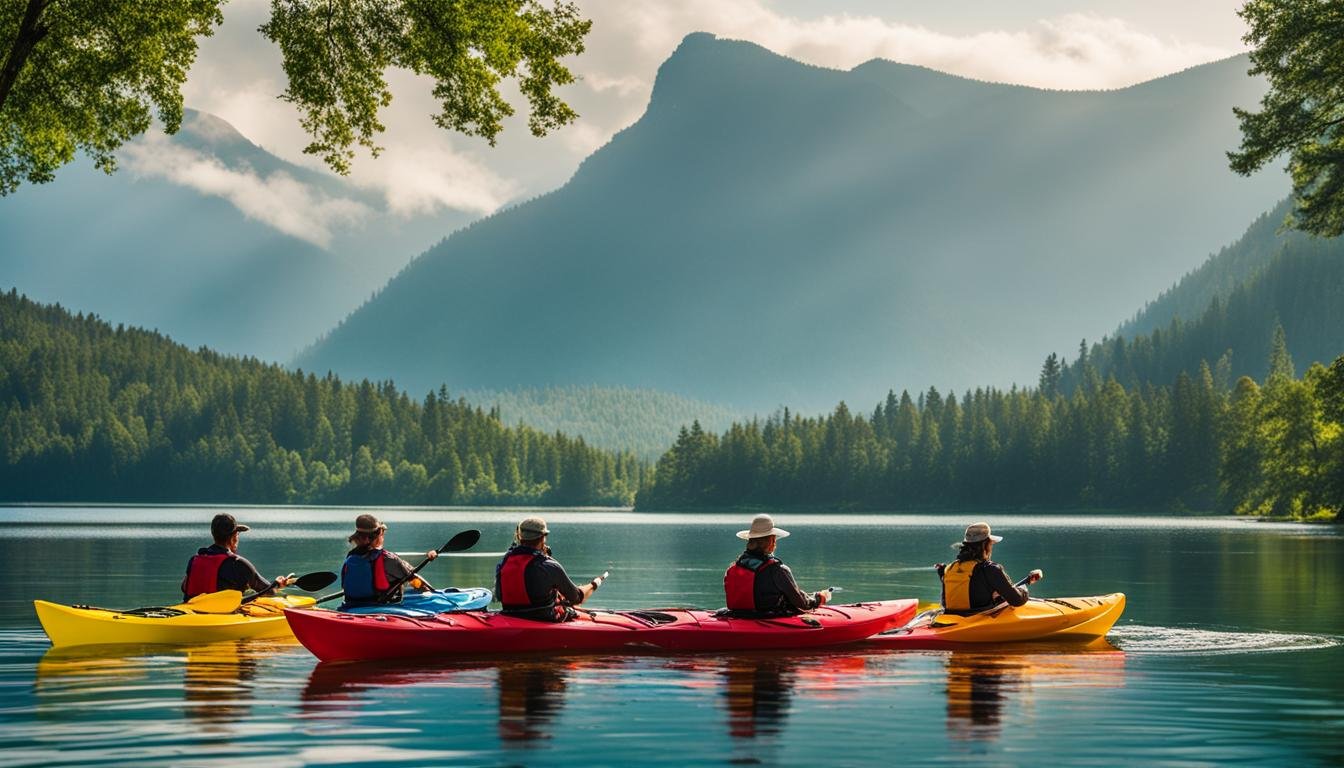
column 1229, row 652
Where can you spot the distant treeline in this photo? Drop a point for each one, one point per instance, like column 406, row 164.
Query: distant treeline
column 1275, row 449
column 89, row 412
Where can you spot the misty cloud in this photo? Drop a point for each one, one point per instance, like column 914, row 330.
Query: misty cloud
column 277, row 199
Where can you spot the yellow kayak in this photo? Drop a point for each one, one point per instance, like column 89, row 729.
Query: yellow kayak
column 179, row 625
column 1049, row 619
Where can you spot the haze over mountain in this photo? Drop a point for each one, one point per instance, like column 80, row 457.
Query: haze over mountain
column 210, row 238
column 1226, row 313
column 775, row 232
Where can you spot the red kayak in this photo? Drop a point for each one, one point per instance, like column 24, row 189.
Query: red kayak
column 333, row 636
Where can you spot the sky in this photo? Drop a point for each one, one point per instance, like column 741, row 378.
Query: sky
column 425, row 170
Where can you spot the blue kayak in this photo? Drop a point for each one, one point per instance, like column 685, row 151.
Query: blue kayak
column 415, row 604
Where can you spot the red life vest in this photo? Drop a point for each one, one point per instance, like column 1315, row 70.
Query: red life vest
column 513, row 585
column 739, row 581
column 512, row 581
column 203, row 574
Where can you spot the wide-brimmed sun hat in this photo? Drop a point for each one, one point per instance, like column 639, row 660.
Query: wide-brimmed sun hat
column 368, row 525
column 976, row 532
column 762, row 525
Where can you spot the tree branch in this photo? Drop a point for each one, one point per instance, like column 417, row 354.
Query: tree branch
column 31, row 32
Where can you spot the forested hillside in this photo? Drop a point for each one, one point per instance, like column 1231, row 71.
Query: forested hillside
column 771, row 232
column 89, row 412
column 1219, row 275
column 642, row 421
column 1300, row 287
column 1276, row 449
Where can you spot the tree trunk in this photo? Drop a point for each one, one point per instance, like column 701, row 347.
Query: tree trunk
column 30, row 34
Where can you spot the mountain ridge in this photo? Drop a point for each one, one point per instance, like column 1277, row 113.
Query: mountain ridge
column 763, row 211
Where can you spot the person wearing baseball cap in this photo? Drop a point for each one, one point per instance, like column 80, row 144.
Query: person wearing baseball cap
column 759, row 582
column 974, row 582
column 533, row 585
column 370, row 570
column 219, row 566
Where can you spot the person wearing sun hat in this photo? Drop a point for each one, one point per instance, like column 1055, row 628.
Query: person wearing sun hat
column 974, row 582
column 219, row 566
column 533, row 585
column 759, row 582
column 370, row 570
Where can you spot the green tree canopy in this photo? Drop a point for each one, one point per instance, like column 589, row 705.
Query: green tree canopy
column 85, row 74
column 1299, row 47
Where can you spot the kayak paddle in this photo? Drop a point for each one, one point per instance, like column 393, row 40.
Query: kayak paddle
column 459, row 543
column 308, row 582
column 223, row 601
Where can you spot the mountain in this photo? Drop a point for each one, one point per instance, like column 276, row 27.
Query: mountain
column 773, row 232
column 642, row 421
column 165, row 242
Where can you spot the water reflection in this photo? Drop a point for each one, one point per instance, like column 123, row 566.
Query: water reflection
column 757, row 692
column 984, row 684
column 218, row 685
column 531, row 694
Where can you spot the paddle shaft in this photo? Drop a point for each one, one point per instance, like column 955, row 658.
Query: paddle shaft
column 308, row 582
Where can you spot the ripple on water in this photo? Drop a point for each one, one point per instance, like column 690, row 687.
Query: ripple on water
column 1187, row 641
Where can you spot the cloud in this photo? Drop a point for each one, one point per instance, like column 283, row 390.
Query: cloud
column 238, row 76
column 421, row 179
column 1076, row 51
column 276, row 199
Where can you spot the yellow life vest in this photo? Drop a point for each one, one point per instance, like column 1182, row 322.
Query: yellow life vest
column 957, row 585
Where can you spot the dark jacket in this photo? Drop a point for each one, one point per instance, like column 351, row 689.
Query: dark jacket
column 546, row 582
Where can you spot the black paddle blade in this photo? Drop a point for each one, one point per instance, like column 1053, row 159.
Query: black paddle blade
column 462, row 541
column 312, row 582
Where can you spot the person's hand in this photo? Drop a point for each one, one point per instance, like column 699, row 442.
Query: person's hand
column 431, row 554
column 1035, row 576
column 285, row 581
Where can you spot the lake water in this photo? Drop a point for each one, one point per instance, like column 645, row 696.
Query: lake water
column 1229, row 651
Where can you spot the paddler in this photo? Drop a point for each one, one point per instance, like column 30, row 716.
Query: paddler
column 974, row 582
column 759, row 582
column 533, row 585
column 370, row 571
column 219, row 566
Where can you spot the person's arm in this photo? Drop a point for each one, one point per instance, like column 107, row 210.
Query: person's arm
column 796, row 597
column 1003, row 586
column 564, row 586
column 398, row 569
column 254, row 580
